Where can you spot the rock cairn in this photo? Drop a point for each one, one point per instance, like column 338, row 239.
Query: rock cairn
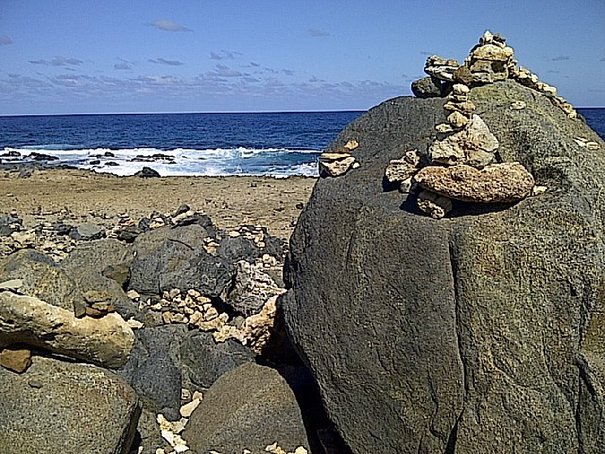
column 491, row 60
column 463, row 162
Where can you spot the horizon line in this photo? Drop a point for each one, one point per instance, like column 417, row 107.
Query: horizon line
column 185, row 112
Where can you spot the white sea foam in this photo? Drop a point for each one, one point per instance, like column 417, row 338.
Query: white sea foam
column 277, row 162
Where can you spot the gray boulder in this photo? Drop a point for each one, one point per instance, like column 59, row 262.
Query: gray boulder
column 239, row 248
column 90, row 263
column 9, row 224
column 205, row 360
column 427, row 87
column 41, row 278
column 249, row 407
column 478, row 333
column 168, row 258
column 153, row 369
column 66, row 407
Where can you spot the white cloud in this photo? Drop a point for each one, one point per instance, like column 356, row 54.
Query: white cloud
column 5, row 40
column 317, row 33
column 163, row 61
column 58, row 61
column 168, row 26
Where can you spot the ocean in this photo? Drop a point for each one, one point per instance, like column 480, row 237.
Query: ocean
column 271, row 144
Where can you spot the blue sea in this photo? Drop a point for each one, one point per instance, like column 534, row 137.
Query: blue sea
column 273, row 144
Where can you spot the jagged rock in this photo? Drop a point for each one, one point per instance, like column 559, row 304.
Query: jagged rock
column 240, row 248
column 506, row 182
column 168, row 258
column 435, row 205
column 402, row 169
column 427, row 87
column 205, row 360
column 441, row 68
column 474, row 145
column 58, row 406
column 147, row 172
column 90, row 264
column 496, row 314
column 16, row 358
column 153, row 369
column 251, row 289
column 105, row 341
column 9, row 224
column 243, row 409
column 336, row 164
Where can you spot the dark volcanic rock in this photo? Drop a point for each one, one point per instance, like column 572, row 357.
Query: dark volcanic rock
column 147, row 172
column 249, row 407
column 9, row 224
column 168, row 258
column 205, row 360
column 479, row 333
column 65, row 407
column 239, row 248
column 427, row 87
column 153, row 369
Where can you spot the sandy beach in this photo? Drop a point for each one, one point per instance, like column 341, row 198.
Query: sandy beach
column 93, row 197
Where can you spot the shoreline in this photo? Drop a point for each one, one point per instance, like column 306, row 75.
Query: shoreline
column 274, row 203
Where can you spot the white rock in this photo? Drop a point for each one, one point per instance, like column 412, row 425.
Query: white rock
column 187, row 409
column 134, row 324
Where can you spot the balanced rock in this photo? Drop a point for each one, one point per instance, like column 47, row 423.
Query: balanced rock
column 495, row 315
column 427, row 87
column 433, row 204
column 71, row 408
column 106, row 341
column 507, row 182
column 336, row 164
column 441, row 68
column 474, row 145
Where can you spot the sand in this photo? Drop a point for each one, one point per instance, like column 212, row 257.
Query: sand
column 92, row 197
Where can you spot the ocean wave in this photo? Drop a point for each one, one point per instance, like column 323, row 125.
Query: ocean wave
column 277, row 162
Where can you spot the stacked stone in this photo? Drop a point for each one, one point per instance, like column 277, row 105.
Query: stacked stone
column 462, row 163
column 334, row 164
column 490, row 61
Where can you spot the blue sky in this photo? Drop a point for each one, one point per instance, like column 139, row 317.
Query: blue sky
column 86, row 56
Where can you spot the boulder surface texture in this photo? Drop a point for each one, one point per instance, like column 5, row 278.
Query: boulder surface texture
column 249, row 407
column 71, row 408
column 482, row 332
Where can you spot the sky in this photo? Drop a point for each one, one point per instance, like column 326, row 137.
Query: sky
column 93, row 56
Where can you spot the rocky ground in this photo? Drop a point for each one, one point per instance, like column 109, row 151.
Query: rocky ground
column 126, row 311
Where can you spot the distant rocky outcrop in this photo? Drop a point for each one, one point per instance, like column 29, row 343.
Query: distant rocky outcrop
column 478, row 329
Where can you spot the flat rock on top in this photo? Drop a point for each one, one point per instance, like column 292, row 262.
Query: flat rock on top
column 495, row 313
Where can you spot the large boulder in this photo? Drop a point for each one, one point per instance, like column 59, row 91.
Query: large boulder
column 174, row 257
column 153, row 369
column 106, row 341
column 66, row 407
column 249, row 407
column 481, row 332
column 101, row 267
column 205, row 360
column 41, row 277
